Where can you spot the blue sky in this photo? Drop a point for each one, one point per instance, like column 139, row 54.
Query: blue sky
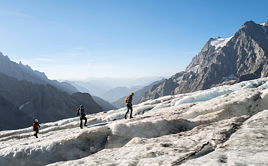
column 78, row 39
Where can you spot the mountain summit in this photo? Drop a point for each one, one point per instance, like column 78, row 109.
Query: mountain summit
column 241, row 57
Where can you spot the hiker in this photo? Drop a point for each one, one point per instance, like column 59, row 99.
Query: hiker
column 81, row 113
column 128, row 101
column 36, row 127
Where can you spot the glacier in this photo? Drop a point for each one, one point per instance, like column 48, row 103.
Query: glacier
column 225, row 125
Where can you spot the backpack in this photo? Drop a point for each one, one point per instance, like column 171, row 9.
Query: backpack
column 126, row 100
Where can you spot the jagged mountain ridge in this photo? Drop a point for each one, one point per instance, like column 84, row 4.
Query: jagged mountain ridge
column 243, row 56
column 25, row 72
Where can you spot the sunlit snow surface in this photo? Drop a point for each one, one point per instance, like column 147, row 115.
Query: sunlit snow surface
column 220, row 42
column 224, row 125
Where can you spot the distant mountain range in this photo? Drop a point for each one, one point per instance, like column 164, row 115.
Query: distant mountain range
column 137, row 97
column 103, row 89
column 105, row 105
column 96, row 89
column 241, row 57
column 109, row 83
column 118, row 92
column 26, row 94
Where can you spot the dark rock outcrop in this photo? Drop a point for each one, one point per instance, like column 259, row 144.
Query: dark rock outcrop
column 11, row 117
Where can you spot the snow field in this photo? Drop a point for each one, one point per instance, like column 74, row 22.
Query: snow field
column 61, row 147
column 164, row 150
column 227, row 106
column 146, row 128
column 247, row 146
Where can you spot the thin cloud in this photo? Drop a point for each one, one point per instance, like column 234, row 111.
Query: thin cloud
column 15, row 14
column 190, row 52
column 35, row 60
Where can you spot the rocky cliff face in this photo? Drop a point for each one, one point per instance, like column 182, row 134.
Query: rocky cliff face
column 241, row 57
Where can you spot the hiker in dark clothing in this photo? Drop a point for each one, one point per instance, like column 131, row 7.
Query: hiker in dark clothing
column 36, row 127
column 81, row 113
column 128, row 101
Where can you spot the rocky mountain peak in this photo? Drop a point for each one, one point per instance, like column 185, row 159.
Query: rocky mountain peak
column 249, row 23
column 25, row 72
column 241, row 57
column 4, row 57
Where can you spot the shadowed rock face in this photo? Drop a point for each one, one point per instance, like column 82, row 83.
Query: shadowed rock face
column 11, row 117
column 238, row 58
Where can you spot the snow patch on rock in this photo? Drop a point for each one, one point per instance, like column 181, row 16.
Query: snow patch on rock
column 220, row 42
column 264, row 24
column 22, row 106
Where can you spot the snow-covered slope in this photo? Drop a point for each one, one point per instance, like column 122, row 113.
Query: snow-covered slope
column 224, row 125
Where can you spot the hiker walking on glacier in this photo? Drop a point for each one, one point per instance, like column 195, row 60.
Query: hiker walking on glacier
column 128, row 101
column 36, row 127
column 81, row 113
